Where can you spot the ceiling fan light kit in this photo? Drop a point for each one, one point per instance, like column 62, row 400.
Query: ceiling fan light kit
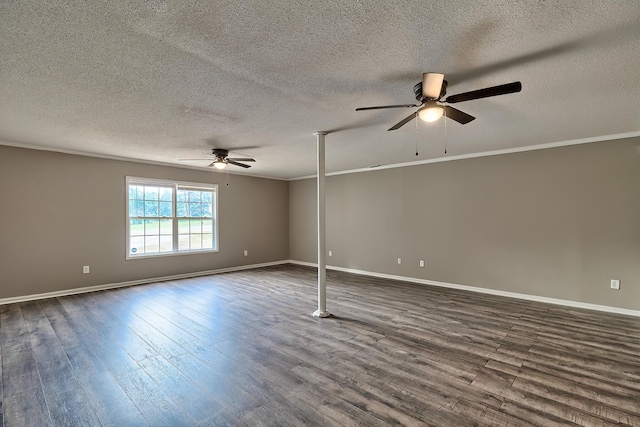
column 430, row 91
column 431, row 114
column 219, row 164
column 221, row 159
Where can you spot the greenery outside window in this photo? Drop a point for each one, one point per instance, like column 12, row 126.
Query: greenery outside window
column 170, row 218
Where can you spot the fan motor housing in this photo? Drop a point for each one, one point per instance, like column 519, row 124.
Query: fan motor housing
column 220, row 152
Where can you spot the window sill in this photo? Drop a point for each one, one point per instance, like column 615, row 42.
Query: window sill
column 169, row 254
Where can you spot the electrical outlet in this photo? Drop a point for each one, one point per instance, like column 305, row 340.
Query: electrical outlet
column 399, row 260
column 330, row 253
column 421, row 263
column 615, row 284
column 85, row 269
column 246, row 252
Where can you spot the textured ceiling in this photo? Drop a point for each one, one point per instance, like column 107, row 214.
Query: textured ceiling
column 160, row 80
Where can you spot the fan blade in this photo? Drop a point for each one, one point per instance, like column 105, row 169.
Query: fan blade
column 457, row 115
column 485, row 93
column 404, row 121
column 210, row 165
column 242, row 165
column 201, row 158
column 432, row 85
column 241, row 159
column 387, row 106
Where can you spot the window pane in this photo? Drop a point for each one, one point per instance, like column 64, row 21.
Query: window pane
column 206, row 210
column 183, row 242
column 183, row 226
column 166, row 194
column 196, row 240
column 139, row 207
column 206, row 196
column 207, row 241
column 140, row 192
column 194, row 210
column 181, row 195
column 136, row 227
column 136, row 245
column 150, row 208
column 166, row 243
column 166, row 226
column 132, row 192
column 207, row 226
column 182, row 208
column 132, row 208
column 151, row 226
column 194, row 196
column 166, row 209
column 150, row 193
column 151, row 244
column 196, row 226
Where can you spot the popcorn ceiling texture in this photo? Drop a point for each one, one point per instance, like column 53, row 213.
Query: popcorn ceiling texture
column 160, row 80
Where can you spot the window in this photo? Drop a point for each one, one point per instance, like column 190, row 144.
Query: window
column 168, row 218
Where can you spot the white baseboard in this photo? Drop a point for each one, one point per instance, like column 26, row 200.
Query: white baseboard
column 75, row 291
column 536, row 298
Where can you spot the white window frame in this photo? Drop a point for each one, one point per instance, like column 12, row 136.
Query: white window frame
column 175, row 185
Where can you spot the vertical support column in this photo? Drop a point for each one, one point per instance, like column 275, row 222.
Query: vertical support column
column 322, row 240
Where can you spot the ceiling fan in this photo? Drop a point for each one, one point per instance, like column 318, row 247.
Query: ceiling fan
column 221, row 159
column 430, row 92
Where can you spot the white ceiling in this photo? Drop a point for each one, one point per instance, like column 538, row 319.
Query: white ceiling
column 160, row 80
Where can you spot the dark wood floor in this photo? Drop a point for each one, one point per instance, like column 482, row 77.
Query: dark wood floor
column 242, row 349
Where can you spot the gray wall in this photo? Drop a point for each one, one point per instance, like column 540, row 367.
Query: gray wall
column 557, row 223
column 59, row 212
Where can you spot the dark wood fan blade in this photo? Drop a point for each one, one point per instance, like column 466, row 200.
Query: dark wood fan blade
column 201, row 158
column 404, row 121
column 241, row 159
column 242, row 165
column 485, row 93
column 387, row 106
column 457, row 115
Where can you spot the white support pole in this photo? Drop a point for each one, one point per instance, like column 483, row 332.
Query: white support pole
column 322, row 240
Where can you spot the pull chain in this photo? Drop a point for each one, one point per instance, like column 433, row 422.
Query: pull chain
column 227, row 175
column 416, row 120
column 445, row 131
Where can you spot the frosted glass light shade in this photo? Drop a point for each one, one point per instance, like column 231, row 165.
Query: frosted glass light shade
column 431, row 114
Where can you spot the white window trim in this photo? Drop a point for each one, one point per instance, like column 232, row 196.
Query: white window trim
column 175, row 184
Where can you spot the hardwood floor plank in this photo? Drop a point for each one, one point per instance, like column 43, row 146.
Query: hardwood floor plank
column 53, row 366
column 345, row 414
column 110, row 403
column 19, row 373
column 83, row 359
column 234, row 399
column 539, row 404
column 223, row 419
column 71, row 409
column 592, row 407
column 155, row 405
column 27, row 409
column 193, row 399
